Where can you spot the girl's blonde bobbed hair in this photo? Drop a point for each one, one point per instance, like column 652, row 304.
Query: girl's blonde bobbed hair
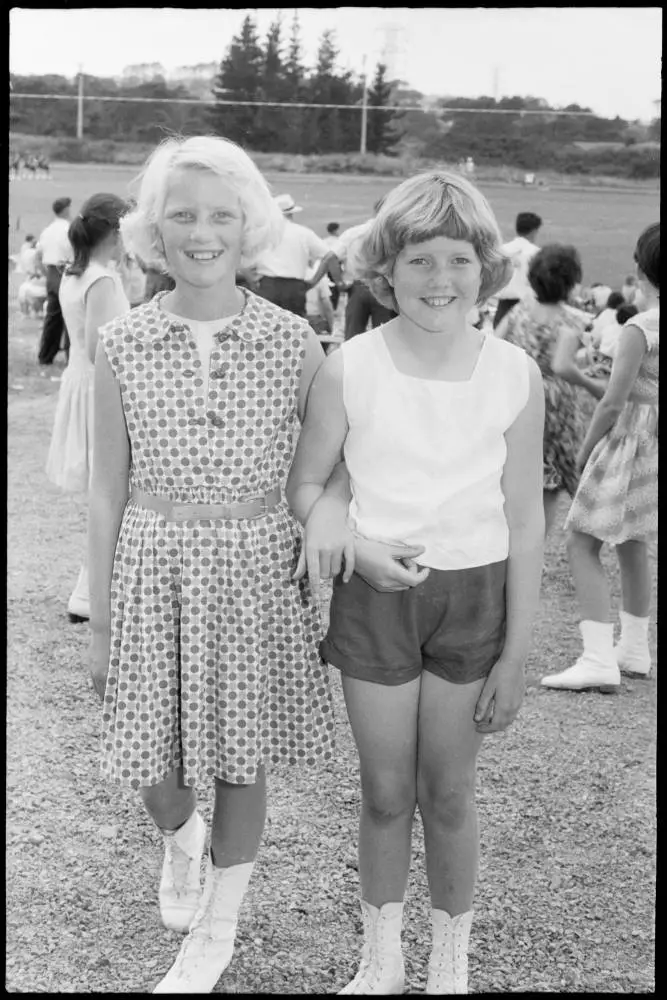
column 263, row 221
column 437, row 203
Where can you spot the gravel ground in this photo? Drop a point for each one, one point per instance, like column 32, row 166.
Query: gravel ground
column 565, row 900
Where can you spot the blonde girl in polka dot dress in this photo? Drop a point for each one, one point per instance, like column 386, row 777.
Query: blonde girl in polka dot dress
column 204, row 648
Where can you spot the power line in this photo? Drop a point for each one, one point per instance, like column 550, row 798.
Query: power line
column 289, row 104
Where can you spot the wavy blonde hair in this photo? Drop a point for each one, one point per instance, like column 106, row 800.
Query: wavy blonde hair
column 437, row 203
column 263, row 221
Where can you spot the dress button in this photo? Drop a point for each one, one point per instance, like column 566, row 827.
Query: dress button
column 189, row 372
column 218, row 373
column 217, row 421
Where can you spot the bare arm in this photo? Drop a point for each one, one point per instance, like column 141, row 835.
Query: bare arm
column 320, row 445
column 101, row 308
column 108, row 497
column 627, row 362
column 564, row 363
column 329, row 263
column 502, row 694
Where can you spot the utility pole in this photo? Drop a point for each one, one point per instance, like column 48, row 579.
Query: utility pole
column 364, row 110
column 79, row 105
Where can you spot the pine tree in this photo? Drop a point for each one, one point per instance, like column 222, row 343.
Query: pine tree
column 295, row 78
column 239, row 79
column 270, row 122
column 323, row 131
column 379, row 137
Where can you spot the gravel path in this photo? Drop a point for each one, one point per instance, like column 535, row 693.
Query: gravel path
column 565, row 901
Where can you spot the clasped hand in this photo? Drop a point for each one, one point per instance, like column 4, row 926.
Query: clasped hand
column 330, row 548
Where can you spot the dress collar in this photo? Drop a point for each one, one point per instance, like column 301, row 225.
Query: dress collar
column 255, row 322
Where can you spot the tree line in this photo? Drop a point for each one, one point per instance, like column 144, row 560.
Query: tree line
column 273, row 69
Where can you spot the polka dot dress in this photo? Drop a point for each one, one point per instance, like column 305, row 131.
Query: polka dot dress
column 214, row 664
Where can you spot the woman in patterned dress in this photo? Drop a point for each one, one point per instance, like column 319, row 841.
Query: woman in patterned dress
column 204, row 649
column 539, row 324
column 617, row 497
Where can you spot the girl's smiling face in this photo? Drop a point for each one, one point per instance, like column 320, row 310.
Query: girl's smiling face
column 436, row 283
column 202, row 228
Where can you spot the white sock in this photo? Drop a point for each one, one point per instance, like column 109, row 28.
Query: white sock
column 598, row 642
column 634, row 631
column 185, row 834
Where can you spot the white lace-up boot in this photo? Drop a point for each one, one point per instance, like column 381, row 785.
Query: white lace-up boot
column 209, row 946
column 596, row 667
column 382, row 971
column 632, row 652
column 180, row 887
column 448, row 965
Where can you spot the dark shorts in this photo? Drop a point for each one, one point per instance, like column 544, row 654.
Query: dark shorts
column 452, row 624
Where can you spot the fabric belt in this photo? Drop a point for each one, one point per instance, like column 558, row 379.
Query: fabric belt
column 179, row 512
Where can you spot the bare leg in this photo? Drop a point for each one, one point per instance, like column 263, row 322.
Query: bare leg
column 238, row 821
column 550, row 499
column 589, row 577
column 170, row 803
column 446, row 776
column 635, row 577
column 384, row 724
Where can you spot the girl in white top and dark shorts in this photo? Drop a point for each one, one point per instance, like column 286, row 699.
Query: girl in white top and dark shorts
column 441, row 429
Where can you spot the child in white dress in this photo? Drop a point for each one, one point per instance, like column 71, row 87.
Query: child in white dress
column 91, row 293
column 441, row 429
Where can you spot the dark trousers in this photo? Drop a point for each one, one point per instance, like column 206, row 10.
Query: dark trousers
column 54, row 330
column 362, row 306
column 289, row 293
column 504, row 306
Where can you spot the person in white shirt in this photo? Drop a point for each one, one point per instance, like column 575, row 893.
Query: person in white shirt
column 441, row 430
column 362, row 306
column 521, row 251
column 282, row 271
column 608, row 315
column 26, row 259
column 54, row 251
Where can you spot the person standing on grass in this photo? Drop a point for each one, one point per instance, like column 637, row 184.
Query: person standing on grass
column 282, row 271
column 441, row 427
column 91, row 293
column 538, row 325
column 54, row 252
column 521, row 251
column 617, row 498
column 204, row 650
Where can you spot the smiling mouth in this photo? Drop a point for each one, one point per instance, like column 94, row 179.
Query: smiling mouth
column 203, row 255
column 438, row 301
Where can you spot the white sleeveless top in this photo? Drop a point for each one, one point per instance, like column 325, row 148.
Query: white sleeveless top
column 426, row 457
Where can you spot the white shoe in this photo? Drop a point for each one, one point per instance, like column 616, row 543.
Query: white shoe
column 209, row 946
column 78, row 606
column 448, row 964
column 634, row 662
column 584, row 674
column 382, row 971
column 180, row 887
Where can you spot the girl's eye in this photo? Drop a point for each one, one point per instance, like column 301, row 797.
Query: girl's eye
column 462, row 260
column 181, row 215
column 419, row 260
column 223, row 216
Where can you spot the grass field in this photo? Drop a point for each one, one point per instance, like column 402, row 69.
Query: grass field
column 603, row 224
column 565, row 901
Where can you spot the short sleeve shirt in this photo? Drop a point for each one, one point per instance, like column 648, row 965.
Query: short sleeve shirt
column 299, row 248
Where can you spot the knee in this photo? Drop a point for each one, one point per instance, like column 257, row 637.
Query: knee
column 388, row 799
column 449, row 804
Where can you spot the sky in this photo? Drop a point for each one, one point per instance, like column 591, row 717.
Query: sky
column 605, row 58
